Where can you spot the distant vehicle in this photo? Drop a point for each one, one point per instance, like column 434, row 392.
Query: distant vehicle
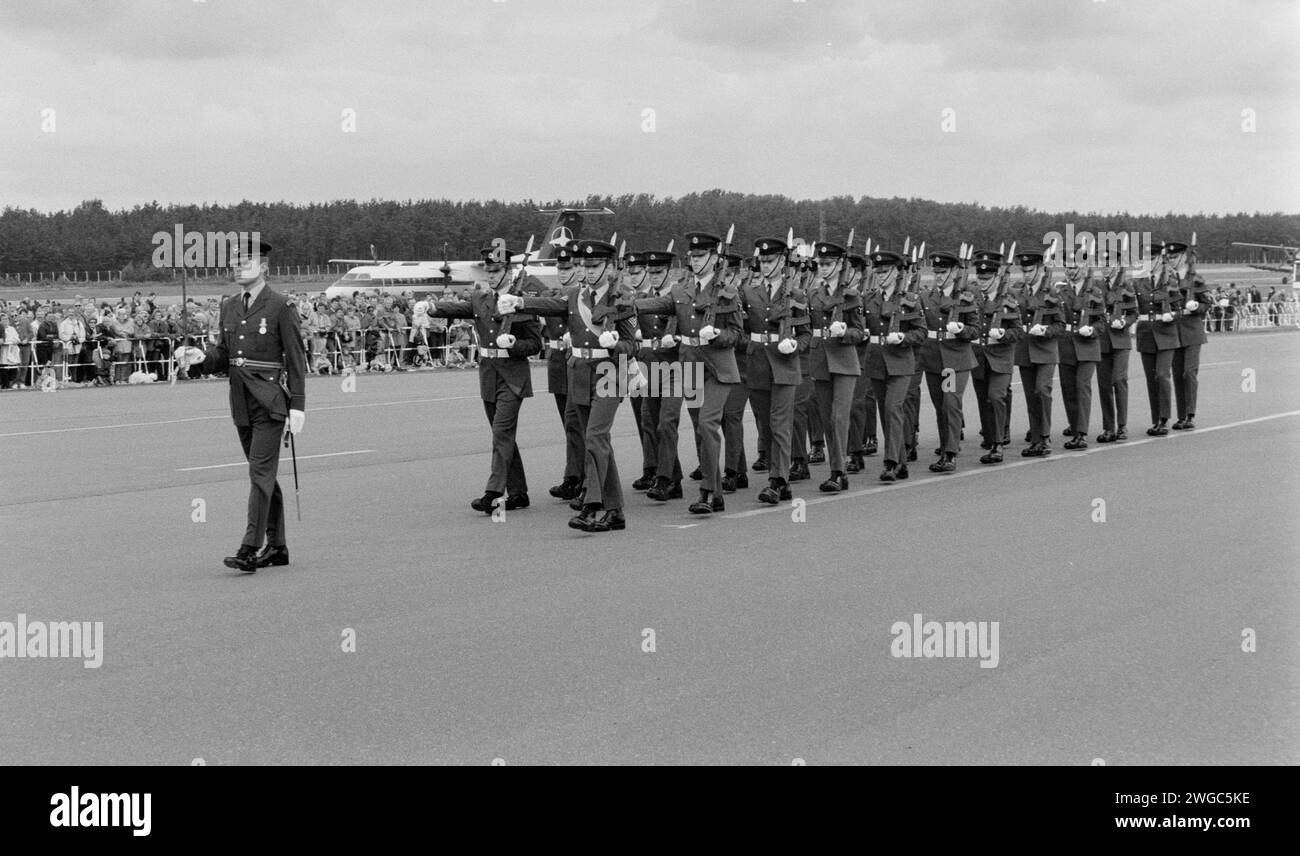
column 1292, row 267
column 384, row 276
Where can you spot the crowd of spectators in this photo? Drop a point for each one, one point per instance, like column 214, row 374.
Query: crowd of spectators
column 1236, row 308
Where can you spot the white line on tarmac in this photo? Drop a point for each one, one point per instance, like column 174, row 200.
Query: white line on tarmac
column 301, row 458
column 894, row 487
column 227, row 416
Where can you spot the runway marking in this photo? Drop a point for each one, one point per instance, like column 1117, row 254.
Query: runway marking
column 895, row 487
column 678, row 525
column 227, row 416
column 300, row 457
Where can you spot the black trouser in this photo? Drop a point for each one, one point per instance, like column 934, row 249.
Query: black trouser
column 862, row 418
column 774, row 408
column 1112, row 386
column 646, row 432
column 733, row 429
column 834, row 402
column 707, row 418
column 947, row 407
column 1158, row 368
column 667, row 410
column 993, row 395
column 1037, row 382
column 891, row 398
column 601, row 479
column 1076, row 390
column 1186, row 368
column 261, row 442
column 799, row 438
column 913, row 408
column 573, row 451
column 507, row 475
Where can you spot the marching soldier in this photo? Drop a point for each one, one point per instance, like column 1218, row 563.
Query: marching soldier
column 1157, row 336
column 804, row 407
column 504, row 374
column 894, row 326
column 1196, row 301
column 602, row 334
column 1080, row 350
column 735, row 472
column 776, row 329
column 1116, row 345
column 708, row 324
column 835, row 316
column 995, row 351
column 1036, row 352
column 260, row 347
column 557, row 377
column 661, row 409
column 862, row 416
column 952, row 318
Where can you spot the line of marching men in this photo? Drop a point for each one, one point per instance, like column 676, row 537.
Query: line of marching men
column 840, row 338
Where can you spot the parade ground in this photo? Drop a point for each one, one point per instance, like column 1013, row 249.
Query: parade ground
column 1144, row 593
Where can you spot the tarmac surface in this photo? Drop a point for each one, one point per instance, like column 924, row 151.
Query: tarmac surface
column 523, row 640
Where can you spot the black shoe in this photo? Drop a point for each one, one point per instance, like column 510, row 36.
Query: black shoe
column 742, row 480
column 760, row 466
column 646, row 481
column 1158, row 430
column 1189, row 423
column 696, row 475
column 870, row 449
column 484, row 502
column 273, row 557
column 1106, row 437
column 818, row 454
column 938, row 451
column 1006, row 440
column 579, row 502
column 901, row 472
column 1036, row 450
column 245, row 559
column 911, row 454
column 729, row 481
column 1068, row 432
column 1121, row 435
column 994, row 456
column 985, row 444
column 776, row 491
column 890, row 472
column 1079, row 442
column 1029, row 436
column 799, row 471
column 516, row 501
column 661, row 490
column 854, row 464
column 947, row 463
column 708, row 503
column 836, row 483
column 567, row 489
column 611, row 519
column 1180, row 424
column 589, row 513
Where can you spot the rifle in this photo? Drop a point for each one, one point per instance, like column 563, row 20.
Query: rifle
column 514, row 287
column 719, row 270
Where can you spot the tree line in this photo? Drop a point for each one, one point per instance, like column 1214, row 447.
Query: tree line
column 90, row 237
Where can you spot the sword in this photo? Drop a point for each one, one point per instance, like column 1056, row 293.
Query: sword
column 293, row 453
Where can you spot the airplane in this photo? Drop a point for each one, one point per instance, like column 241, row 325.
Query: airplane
column 386, row 276
column 1294, row 270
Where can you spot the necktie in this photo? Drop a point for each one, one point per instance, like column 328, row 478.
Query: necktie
column 247, row 297
column 589, row 297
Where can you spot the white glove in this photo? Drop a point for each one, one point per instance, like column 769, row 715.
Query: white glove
column 1117, row 323
column 894, row 338
column 1167, row 317
column 193, row 356
column 1192, row 306
column 1224, row 302
column 708, row 333
column 296, row 420
column 1085, row 330
column 639, row 336
column 787, row 346
column 505, row 340
column 667, row 342
column 996, row 333
column 1037, row 330
column 608, row 339
column 955, row 327
column 838, row 328
column 508, row 303
column 566, row 341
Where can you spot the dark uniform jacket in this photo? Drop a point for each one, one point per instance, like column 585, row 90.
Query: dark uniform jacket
column 692, row 311
column 1039, row 306
column 1191, row 324
column 1153, row 334
column 268, row 332
column 653, row 328
column 1003, row 311
column 941, row 349
column 900, row 313
column 514, row 368
column 827, row 354
column 615, row 312
column 1121, row 303
column 1086, row 308
column 773, row 320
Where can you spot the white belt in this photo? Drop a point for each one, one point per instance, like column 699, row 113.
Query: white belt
column 818, row 333
column 693, row 341
column 498, row 353
column 765, row 337
column 1147, row 316
column 933, row 334
column 591, row 353
column 556, row 344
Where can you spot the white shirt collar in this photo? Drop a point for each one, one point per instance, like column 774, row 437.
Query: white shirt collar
column 255, row 292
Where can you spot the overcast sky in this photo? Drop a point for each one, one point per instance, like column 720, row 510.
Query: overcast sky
column 1054, row 104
